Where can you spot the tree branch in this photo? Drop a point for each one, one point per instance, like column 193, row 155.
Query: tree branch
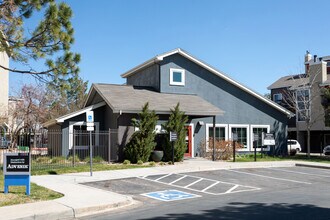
column 28, row 71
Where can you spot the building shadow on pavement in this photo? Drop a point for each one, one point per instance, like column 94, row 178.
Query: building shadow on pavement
column 257, row 211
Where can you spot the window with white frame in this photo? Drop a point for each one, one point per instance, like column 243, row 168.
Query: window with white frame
column 79, row 137
column 258, row 129
column 221, row 132
column 277, row 97
column 177, row 77
column 303, row 104
column 242, row 132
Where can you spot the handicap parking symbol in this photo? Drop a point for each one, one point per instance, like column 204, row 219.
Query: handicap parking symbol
column 170, row 195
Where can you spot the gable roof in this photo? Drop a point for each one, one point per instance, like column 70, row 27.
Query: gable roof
column 218, row 73
column 130, row 99
column 290, row 82
column 73, row 114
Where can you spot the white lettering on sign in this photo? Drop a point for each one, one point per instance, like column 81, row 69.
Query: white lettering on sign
column 10, row 166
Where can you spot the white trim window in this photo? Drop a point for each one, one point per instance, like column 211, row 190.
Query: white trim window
column 82, row 140
column 278, row 97
column 221, row 131
column 177, row 77
column 258, row 129
column 243, row 135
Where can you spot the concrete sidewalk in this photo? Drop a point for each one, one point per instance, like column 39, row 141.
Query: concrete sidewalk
column 80, row 200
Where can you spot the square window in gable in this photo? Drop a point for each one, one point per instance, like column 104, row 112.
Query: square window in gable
column 177, row 77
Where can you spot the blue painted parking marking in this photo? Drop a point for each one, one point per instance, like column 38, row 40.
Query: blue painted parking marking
column 170, row 195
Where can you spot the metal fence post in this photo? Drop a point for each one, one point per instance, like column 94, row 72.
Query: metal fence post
column 109, row 146
column 74, row 148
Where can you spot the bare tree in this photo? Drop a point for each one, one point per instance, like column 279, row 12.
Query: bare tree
column 28, row 111
column 303, row 97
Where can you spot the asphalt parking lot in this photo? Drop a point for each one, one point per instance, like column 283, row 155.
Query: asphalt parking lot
column 278, row 190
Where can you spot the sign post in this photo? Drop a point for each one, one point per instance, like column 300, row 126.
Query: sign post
column 17, row 171
column 173, row 138
column 268, row 139
column 90, row 128
column 235, row 138
column 255, row 143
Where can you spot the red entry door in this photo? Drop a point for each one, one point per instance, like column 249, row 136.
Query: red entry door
column 188, row 152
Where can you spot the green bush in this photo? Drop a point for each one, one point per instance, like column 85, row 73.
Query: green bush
column 42, row 160
column 140, row 162
column 162, row 163
column 176, row 123
column 152, row 163
column 142, row 142
column 58, row 160
column 97, row 159
column 76, row 159
column 126, row 162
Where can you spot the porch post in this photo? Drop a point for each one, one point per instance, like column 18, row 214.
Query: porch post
column 213, row 157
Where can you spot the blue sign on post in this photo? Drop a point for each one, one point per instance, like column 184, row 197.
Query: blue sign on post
column 17, row 171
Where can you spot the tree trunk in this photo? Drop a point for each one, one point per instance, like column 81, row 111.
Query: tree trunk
column 308, row 143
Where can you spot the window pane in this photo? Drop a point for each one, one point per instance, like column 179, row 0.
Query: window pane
column 177, row 77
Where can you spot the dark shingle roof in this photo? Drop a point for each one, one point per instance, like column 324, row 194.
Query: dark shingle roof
column 290, row 82
column 129, row 99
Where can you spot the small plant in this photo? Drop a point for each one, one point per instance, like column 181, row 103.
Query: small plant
column 126, row 162
column 140, row 162
column 169, row 162
column 162, row 163
column 76, row 159
column 56, row 160
column 97, row 159
column 152, row 163
column 42, row 160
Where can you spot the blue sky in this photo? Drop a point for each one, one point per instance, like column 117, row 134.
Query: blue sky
column 254, row 42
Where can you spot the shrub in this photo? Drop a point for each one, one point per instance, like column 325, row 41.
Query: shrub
column 176, row 123
column 162, row 163
column 140, row 162
column 58, row 160
column 292, row 152
column 152, row 163
column 76, row 159
column 142, row 142
column 126, row 162
column 42, row 160
column 223, row 149
column 97, row 159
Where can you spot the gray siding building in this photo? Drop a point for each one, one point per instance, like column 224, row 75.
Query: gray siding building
column 206, row 95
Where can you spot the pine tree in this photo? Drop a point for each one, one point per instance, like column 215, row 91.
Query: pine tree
column 176, row 123
column 142, row 142
column 49, row 41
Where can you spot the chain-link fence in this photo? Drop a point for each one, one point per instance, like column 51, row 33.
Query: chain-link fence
column 54, row 149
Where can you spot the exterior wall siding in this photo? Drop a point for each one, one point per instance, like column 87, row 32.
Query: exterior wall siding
column 147, row 77
column 4, row 88
column 239, row 106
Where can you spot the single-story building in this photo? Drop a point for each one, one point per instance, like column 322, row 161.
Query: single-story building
column 206, row 95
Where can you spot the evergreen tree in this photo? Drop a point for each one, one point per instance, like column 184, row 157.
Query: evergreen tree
column 49, row 41
column 176, row 123
column 142, row 142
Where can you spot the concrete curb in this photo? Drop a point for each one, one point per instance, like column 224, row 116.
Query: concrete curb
column 80, row 212
column 312, row 166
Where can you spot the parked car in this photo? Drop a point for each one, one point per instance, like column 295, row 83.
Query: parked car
column 294, row 145
column 326, row 150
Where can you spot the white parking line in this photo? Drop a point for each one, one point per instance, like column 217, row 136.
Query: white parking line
column 163, row 177
column 270, row 177
column 298, row 172
column 210, row 186
column 193, row 183
column 231, row 190
column 178, row 179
